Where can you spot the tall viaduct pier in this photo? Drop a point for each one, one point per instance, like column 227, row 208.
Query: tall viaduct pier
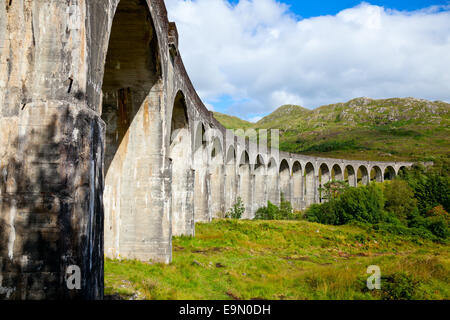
column 107, row 150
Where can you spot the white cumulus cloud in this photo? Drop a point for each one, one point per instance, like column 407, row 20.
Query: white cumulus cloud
column 262, row 55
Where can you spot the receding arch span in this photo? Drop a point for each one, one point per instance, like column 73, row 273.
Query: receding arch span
column 273, row 193
column 389, row 173
column 363, row 176
column 217, row 179
column 132, row 84
column 230, row 178
column 310, row 184
column 260, row 183
column 350, row 176
column 245, row 184
column 200, row 137
column 376, row 174
column 336, row 173
column 285, row 180
column 231, row 155
column 182, row 175
column 201, row 182
column 324, row 178
column 297, row 186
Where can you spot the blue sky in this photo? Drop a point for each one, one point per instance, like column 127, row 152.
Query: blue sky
column 248, row 58
column 307, row 9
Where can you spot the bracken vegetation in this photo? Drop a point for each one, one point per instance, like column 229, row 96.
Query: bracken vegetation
column 234, row 259
column 363, row 129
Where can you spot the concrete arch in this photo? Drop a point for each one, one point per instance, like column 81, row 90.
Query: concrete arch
column 297, row 186
column 310, row 184
column 389, row 173
column 202, row 188
column 376, row 174
column 324, row 178
column 285, row 180
column 273, row 188
column 350, row 176
column 230, row 178
column 200, row 140
column 245, row 185
column 259, row 185
column 182, row 173
column 337, row 174
column 217, row 179
column 135, row 213
column 363, row 176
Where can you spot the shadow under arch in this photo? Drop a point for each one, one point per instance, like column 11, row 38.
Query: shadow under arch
column 285, row 180
column 389, row 173
column 132, row 88
column 310, row 184
column 297, row 186
column 336, row 173
column 376, row 174
column 324, row 178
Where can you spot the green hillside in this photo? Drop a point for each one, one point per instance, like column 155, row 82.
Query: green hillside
column 231, row 122
column 363, row 128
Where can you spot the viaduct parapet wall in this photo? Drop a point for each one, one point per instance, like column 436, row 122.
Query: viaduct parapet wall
column 106, row 148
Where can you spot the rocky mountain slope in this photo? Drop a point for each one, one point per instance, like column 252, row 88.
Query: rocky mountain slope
column 363, row 128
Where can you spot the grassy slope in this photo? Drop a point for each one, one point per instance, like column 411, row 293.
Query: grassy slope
column 366, row 129
column 231, row 122
column 281, row 260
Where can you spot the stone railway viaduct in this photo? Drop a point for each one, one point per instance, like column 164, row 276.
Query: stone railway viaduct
column 106, row 148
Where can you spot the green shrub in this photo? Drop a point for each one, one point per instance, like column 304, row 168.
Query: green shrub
column 400, row 199
column 361, row 204
column 237, row 210
column 272, row 212
column 398, row 286
column 267, row 213
column 431, row 185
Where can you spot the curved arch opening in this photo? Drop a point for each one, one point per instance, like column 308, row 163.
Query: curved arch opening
column 230, row 178
column 201, row 181
column 350, row 176
column 389, row 173
column 310, row 184
column 217, row 180
column 260, row 182
column 273, row 193
column 182, row 175
column 324, row 178
column 245, row 184
column 363, row 176
column 132, row 83
column 297, row 185
column 336, row 173
column 285, row 181
column 376, row 174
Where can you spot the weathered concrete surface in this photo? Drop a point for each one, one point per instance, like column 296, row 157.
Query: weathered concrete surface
column 106, row 148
